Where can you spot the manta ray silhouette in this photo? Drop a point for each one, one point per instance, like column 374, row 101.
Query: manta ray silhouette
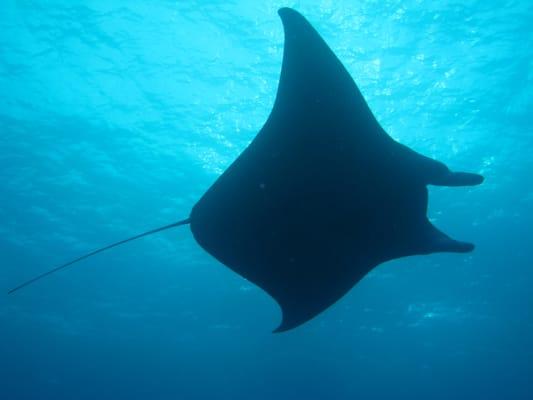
column 322, row 195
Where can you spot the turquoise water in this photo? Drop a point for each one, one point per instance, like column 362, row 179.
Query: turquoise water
column 116, row 116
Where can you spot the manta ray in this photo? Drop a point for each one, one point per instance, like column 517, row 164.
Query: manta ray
column 321, row 196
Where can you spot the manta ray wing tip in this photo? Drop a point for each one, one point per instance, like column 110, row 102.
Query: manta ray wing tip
column 285, row 11
column 289, row 14
column 283, row 328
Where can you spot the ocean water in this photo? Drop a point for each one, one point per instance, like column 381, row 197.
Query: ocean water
column 116, row 116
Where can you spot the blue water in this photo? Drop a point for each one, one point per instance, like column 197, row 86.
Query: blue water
column 116, row 116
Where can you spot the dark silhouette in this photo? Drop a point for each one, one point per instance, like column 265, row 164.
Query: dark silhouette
column 322, row 195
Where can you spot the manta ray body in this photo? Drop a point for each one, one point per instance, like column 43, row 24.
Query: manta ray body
column 322, row 195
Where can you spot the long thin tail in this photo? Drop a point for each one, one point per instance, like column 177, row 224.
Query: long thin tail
column 92, row 253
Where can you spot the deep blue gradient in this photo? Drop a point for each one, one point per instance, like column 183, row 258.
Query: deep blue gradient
column 116, row 116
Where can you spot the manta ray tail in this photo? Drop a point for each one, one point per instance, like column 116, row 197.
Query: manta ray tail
column 92, row 253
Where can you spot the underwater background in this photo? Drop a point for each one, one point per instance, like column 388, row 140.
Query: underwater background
column 116, row 116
